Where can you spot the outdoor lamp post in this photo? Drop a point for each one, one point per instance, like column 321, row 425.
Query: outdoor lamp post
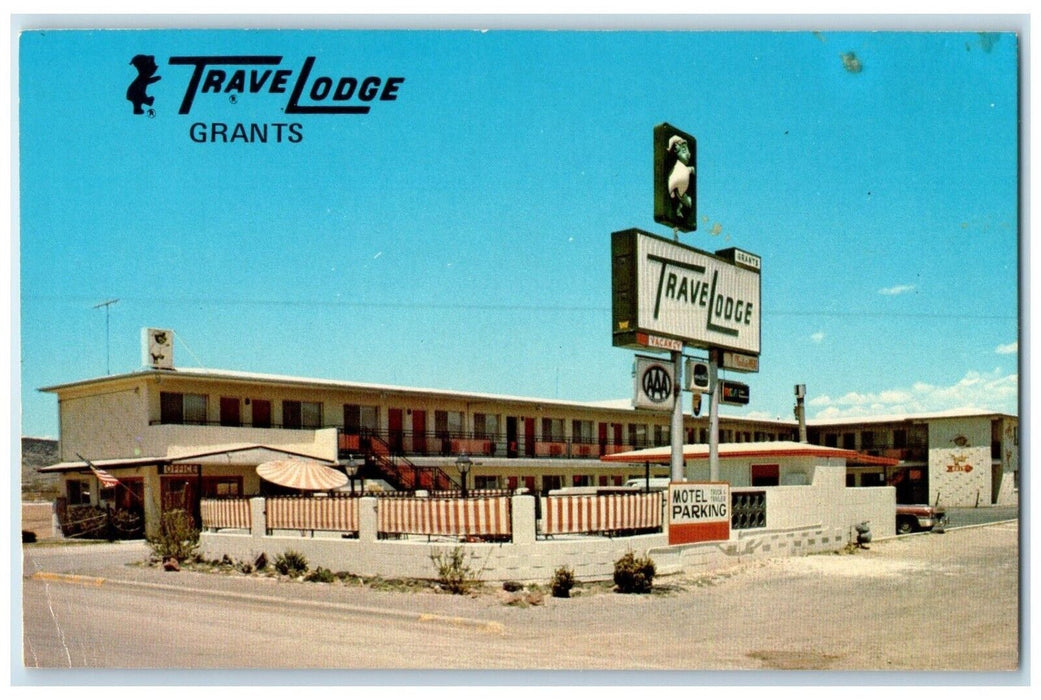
column 350, row 467
column 463, row 464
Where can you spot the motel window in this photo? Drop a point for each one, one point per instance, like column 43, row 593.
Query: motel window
column 221, row 486
column 849, row 441
column 867, row 440
column 900, row 439
column 358, row 419
column 78, row 492
column 301, row 414
column 831, row 440
column 448, row 424
column 486, row 482
column 638, row 435
column 550, row 483
column 180, row 408
column 582, row 431
column 581, row 480
column 766, row 474
column 553, row 430
column 486, row 425
column 261, row 413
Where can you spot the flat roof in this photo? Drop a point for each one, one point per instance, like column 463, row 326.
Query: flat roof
column 623, row 404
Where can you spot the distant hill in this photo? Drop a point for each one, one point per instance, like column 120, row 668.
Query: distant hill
column 39, row 452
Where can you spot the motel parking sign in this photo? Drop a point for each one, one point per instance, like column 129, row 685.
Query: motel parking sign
column 699, row 512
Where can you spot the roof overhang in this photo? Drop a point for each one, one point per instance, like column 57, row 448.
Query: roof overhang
column 246, row 454
column 753, row 450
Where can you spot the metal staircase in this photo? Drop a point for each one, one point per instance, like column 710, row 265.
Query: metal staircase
column 397, row 470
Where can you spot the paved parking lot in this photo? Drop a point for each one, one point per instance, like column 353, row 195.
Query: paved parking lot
column 933, row 602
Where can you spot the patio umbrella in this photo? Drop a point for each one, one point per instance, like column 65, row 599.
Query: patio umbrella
column 303, row 474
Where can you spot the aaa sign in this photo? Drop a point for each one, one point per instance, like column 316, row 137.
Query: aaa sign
column 698, row 512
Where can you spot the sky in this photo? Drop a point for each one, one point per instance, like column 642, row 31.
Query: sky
column 457, row 236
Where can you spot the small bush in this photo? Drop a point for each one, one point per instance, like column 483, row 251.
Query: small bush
column 453, row 570
column 633, row 575
column 512, row 586
column 88, row 522
column 177, row 539
column 321, row 575
column 127, row 525
column 291, row 563
column 562, row 583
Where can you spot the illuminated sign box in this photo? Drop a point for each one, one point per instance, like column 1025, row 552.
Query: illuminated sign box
column 670, row 290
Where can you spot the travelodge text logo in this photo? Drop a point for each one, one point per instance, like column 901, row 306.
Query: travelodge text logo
column 308, row 89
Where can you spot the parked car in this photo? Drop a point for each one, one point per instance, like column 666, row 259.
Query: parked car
column 919, row 518
column 652, row 484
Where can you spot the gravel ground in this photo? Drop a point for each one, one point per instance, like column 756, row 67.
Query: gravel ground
column 933, row 602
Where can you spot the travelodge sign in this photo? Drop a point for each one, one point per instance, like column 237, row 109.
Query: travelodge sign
column 671, row 290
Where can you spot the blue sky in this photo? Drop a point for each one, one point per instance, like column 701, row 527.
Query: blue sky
column 459, row 236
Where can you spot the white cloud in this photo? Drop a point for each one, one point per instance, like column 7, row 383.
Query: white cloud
column 990, row 391
column 1010, row 349
column 898, row 289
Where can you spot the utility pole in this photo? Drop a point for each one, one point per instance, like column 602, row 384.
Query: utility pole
column 106, row 304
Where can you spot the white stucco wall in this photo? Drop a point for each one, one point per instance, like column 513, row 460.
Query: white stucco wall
column 960, row 474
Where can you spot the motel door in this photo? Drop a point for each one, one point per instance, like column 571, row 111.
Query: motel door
column 396, row 431
column 181, row 493
column 419, row 432
column 511, row 436
column 529, row 437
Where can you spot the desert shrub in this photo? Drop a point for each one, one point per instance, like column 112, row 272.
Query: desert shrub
column 454, row 572
column 321, row 575
column 177, row 538
column 127, row 524
column 84, row 521
column 291, row 563
column 633, row 574
column 562, row 583
column 512, row 586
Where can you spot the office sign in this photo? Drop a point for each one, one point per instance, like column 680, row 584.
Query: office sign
column 671, row 290
column 654, row 384
column 698, row 512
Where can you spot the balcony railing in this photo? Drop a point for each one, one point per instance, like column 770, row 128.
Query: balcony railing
column 451, row 444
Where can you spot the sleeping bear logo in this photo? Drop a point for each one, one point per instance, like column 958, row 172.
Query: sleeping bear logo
column 137, row 92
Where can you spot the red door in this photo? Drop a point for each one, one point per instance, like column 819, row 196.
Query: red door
column 396, row 430
column 529, row 438
column 419, row 432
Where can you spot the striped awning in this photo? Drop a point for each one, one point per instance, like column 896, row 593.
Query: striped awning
column 303, row 474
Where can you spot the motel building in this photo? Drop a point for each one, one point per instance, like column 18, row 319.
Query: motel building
column 190, row 438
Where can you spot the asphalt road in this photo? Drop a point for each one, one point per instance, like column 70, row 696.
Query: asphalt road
column 923, row 602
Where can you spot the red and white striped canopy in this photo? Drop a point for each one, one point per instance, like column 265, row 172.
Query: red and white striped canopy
column 303, row 474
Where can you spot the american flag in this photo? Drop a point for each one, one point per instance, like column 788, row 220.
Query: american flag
column 107, row 480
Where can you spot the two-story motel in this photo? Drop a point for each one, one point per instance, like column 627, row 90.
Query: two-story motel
column 178, row 435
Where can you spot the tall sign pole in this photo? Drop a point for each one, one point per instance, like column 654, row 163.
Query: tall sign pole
column 677, row 470
column 713, row 418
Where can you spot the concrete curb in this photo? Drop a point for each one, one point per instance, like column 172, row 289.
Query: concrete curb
column 488, row 626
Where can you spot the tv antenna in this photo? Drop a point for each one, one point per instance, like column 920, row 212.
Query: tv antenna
column 106, row 304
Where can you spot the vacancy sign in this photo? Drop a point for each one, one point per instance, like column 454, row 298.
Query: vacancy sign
column 699, row 512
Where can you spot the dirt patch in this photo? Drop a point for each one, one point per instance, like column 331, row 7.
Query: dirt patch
column 781, row 660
